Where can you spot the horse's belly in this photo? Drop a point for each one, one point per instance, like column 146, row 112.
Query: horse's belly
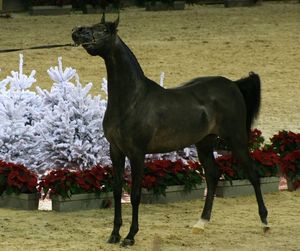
column 168, row 142
column 187, row 130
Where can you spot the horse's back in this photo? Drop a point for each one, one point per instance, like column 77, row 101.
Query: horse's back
column 203, row 82
column 208, row 87
column 220, row 96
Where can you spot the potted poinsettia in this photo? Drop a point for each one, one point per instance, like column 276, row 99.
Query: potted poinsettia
column 234, row 181
column 229, row 169
column 18, row 187
column 227, row 164
column 78, row 189
column 287, row 145
column 256, row 140
column 266, row 162
column 167, row 181
column 285, row 142
column 290, row 167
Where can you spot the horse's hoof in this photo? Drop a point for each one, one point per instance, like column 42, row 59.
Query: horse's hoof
column 197, row 230
column 199, row 226
column 127, row 242
column 114, row 238
column 266, row 229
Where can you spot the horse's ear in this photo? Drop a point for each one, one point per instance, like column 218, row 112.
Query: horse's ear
column 103, row 18
column 113, row 27
column 116, row 22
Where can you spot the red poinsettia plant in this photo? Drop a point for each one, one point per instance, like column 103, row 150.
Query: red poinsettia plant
column 160, row 174
column 66, row 182
column 256, row 140
column 287, row 145
column 16, row 178
column 229, row 168
column 290, row 167
column 285, row 142
column 266, row 162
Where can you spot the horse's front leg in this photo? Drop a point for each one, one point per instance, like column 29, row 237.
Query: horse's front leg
column 137, row 170
column 118, row 161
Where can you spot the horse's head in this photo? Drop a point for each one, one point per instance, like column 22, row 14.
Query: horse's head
column 97, row 39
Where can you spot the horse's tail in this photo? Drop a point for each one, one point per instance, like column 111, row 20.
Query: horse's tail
column 250, row 88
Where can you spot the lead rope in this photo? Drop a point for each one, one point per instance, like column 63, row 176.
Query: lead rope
column 39, row 47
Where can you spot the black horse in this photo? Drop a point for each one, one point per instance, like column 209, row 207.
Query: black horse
column 142, row 117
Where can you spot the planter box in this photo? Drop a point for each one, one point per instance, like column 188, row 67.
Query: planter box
column 159, row 6
column 290, row 186
column 210, row 2
column 20, row 201
column 98, row 10
column 50, row 10
column 82, row 202
column 173, row 194
column 244, row 187
column 239, row 3
column 13, row 5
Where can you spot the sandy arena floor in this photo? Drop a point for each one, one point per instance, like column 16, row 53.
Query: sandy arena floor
column 202, row 40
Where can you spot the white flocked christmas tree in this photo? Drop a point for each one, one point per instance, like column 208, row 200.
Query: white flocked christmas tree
column 19, row 110
column 57, row 128
column 71, row 133
column 51, row 129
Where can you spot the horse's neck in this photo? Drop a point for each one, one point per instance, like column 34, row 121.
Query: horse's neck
column 124, row 74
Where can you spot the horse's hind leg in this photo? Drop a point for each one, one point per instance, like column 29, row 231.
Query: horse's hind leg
column 212, row 175
column 241, row 153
